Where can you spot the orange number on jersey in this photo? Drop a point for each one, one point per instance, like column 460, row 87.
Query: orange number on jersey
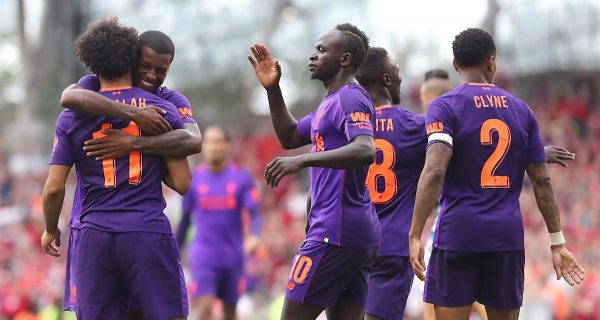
column 488, row 179
column 384, row 169
column 109, row 166
column 300, row 268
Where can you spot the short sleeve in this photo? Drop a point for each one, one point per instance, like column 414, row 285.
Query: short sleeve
column 181, row 102
column 358, row 114
column 304, row 125
column 535, row 146
column 90, row 82
column 172, row 115
column 251, row 196
column 440, row 121
column 63, row 152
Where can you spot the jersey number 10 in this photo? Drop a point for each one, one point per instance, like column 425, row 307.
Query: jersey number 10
column 109, row 166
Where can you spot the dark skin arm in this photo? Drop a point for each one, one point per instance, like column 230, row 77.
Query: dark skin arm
column 53, row 197
column 558, row 155
column 268, row 73
column 359, row 152
column 178, row 143
column 149, row 119
column 428, row 192
column 565, row 264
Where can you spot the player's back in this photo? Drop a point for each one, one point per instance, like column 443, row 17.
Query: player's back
column 123, row 194
column 494, row 135
column 400, row 142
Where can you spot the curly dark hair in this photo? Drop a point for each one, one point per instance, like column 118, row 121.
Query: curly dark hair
column 107, row 48
column 472, row 47
column 158, row 41
column 356, row 43
column 373, row 66
column 437, row 74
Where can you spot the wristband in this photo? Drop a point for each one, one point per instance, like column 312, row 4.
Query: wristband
column 557, row 238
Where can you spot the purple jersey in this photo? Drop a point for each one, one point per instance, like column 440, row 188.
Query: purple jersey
column 123, row 194
column 494, row 136
column 91, row 82
column 215, row 202
column 341, row 211
column 400, row 141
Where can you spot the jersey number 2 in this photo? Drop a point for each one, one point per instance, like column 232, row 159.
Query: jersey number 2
column 109, row 166
column 488, row 179
column 384, row 170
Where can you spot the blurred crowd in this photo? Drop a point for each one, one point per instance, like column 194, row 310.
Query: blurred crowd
column 32, row 283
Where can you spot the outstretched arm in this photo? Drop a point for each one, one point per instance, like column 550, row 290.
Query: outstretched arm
column 149, row 119
column 53, row 197
column 565, row 264
column 177, row 143
column 359, row 152
column 268, row 72
column 428, row 192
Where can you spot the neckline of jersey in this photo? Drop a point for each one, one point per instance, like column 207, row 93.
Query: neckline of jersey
column 344, row 86
column 383, row 106
column 102, row 89
column 480, row 84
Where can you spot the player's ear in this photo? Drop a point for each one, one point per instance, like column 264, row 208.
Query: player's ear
column 455, row 65
column 346, row 59
column 386, row 79
column 492, row 64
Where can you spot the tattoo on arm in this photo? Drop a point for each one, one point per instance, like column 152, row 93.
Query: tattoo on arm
column 544, row 195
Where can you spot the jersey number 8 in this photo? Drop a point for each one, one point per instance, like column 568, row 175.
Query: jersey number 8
column 383, row 170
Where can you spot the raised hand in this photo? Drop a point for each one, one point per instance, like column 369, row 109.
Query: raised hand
column 267, row 69
column 558, row 155
column 566, row 266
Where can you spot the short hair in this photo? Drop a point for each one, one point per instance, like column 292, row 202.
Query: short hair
column 472, row 47
column 225, row 131
column 373, row 66
column 437, row 74
column 107, row 48
column 355, row 41
column 157, row 41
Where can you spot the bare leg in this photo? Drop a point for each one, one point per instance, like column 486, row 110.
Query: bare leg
column 458, row 313
column 428, row 312
column 495, row 314
column 229, row 311
column 296, row 311
column 345, row 309
column 204, row 306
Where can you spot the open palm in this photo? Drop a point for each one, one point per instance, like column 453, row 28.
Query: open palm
column 267, row 69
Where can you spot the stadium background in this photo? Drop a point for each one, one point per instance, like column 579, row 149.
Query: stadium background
column 548, row 54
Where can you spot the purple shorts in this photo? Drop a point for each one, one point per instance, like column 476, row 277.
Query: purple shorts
column 321, row 272
column 390, row 282
column 70, row 297
column 113, row 268
column 456, row 279
column 223, row 282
